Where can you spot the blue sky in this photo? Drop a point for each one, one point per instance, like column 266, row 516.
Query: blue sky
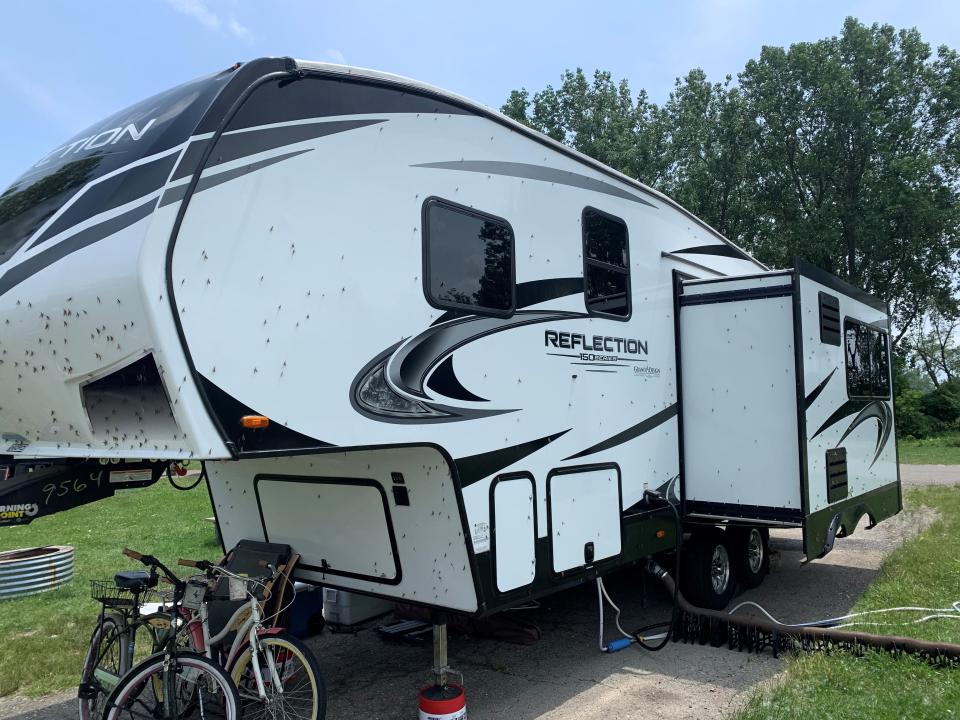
column 64, row 65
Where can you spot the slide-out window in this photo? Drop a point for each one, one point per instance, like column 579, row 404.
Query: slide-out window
column 468, row 259
column 868, row 360
column 606, row 264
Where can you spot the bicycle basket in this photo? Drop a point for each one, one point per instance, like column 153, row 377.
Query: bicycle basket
column 107, row 593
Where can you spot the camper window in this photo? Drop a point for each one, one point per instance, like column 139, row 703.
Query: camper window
column 606, row 264
column 867, row 360
column 468, row 259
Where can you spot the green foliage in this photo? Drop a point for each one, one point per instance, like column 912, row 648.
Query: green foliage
column 943, row 403
column 843, row 151
column 912, row 421
column 877, row 686
column 45, row 636
column 940, row 449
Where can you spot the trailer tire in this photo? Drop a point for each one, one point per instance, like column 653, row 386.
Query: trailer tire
column 709, row 568
column 752, row 552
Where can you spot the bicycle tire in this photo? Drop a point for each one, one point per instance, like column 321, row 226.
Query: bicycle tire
column 91, row 694
column 204, row 690
column 285, row 647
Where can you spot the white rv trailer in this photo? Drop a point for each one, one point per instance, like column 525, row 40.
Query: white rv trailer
column 475, row 348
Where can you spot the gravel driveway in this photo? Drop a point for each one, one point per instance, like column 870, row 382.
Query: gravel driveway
column 564, row 675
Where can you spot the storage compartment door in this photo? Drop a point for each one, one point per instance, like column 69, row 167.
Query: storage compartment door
column 339, row 526
column 584, row 516
column 513, row 517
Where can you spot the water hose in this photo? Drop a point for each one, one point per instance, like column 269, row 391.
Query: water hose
column 717, row 628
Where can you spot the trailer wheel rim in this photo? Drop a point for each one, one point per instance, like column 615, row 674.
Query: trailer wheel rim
column 755, row 551
column 720, row 569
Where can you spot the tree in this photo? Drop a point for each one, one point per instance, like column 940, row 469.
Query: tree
column 856, row 168
column 844, row 151
column 933, row 347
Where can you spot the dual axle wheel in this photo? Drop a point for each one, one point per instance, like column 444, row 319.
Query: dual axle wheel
column 715, row 560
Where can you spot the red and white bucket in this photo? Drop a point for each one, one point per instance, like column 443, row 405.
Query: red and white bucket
column 443, row 703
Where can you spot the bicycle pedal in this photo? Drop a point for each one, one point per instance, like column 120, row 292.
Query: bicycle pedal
column 87, row 691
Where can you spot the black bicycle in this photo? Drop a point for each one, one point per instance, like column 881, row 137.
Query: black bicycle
column 173, row 683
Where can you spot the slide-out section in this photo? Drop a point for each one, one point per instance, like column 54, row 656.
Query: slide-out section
column 739, row 393
column 786, row 409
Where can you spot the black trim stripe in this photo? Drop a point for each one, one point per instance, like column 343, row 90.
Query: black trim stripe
column 177, row 193
column 630, row 433
column 755, row 293
column 812, row 272
column 105, row 195
column 234, row 145
column 32, row 265
column 542, row 173
column 474, row 468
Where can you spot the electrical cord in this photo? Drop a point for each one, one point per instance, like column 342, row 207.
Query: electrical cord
column 201, row 477
column 952, row 612
column 664, row 638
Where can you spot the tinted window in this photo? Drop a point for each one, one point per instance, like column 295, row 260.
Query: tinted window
column 867, row 360
column 606, row 264
column 469, row 259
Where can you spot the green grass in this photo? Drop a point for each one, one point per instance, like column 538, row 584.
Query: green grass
column 44, row 637
column 925, row 572
column 940, row 450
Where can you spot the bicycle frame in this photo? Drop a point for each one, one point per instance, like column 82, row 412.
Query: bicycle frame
column 247, row 622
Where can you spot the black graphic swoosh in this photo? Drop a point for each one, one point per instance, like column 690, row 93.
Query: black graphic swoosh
column 410, row 365
column 815, row 393
column 721, row 250
column 630, row 433
column 531, row 292
column 865, row 410
column 445, row 381
column 476, row 467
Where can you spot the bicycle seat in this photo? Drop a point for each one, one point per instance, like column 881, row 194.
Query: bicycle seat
column 133, row 580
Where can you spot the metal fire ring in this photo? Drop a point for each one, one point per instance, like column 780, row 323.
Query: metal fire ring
column 29, row 571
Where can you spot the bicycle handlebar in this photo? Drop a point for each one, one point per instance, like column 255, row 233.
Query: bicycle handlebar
column 199, row 564
column 152, row 562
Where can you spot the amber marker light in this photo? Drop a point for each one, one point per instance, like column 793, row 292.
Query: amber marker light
column 254, row 422
column 661, row 534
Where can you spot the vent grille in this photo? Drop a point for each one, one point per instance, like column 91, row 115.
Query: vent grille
column 836, row 474
column 829, row 319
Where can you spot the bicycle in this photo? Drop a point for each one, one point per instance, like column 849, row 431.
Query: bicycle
column 173, row 684
column 121, row 633
column 275, row 673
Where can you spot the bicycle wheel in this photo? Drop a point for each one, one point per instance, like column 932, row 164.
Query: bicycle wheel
column 101, row 668
column 198, row 689
column 302, row 695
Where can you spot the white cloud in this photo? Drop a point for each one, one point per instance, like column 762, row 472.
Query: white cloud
column 336, row 56
column 241, row 31
column 197, row 10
